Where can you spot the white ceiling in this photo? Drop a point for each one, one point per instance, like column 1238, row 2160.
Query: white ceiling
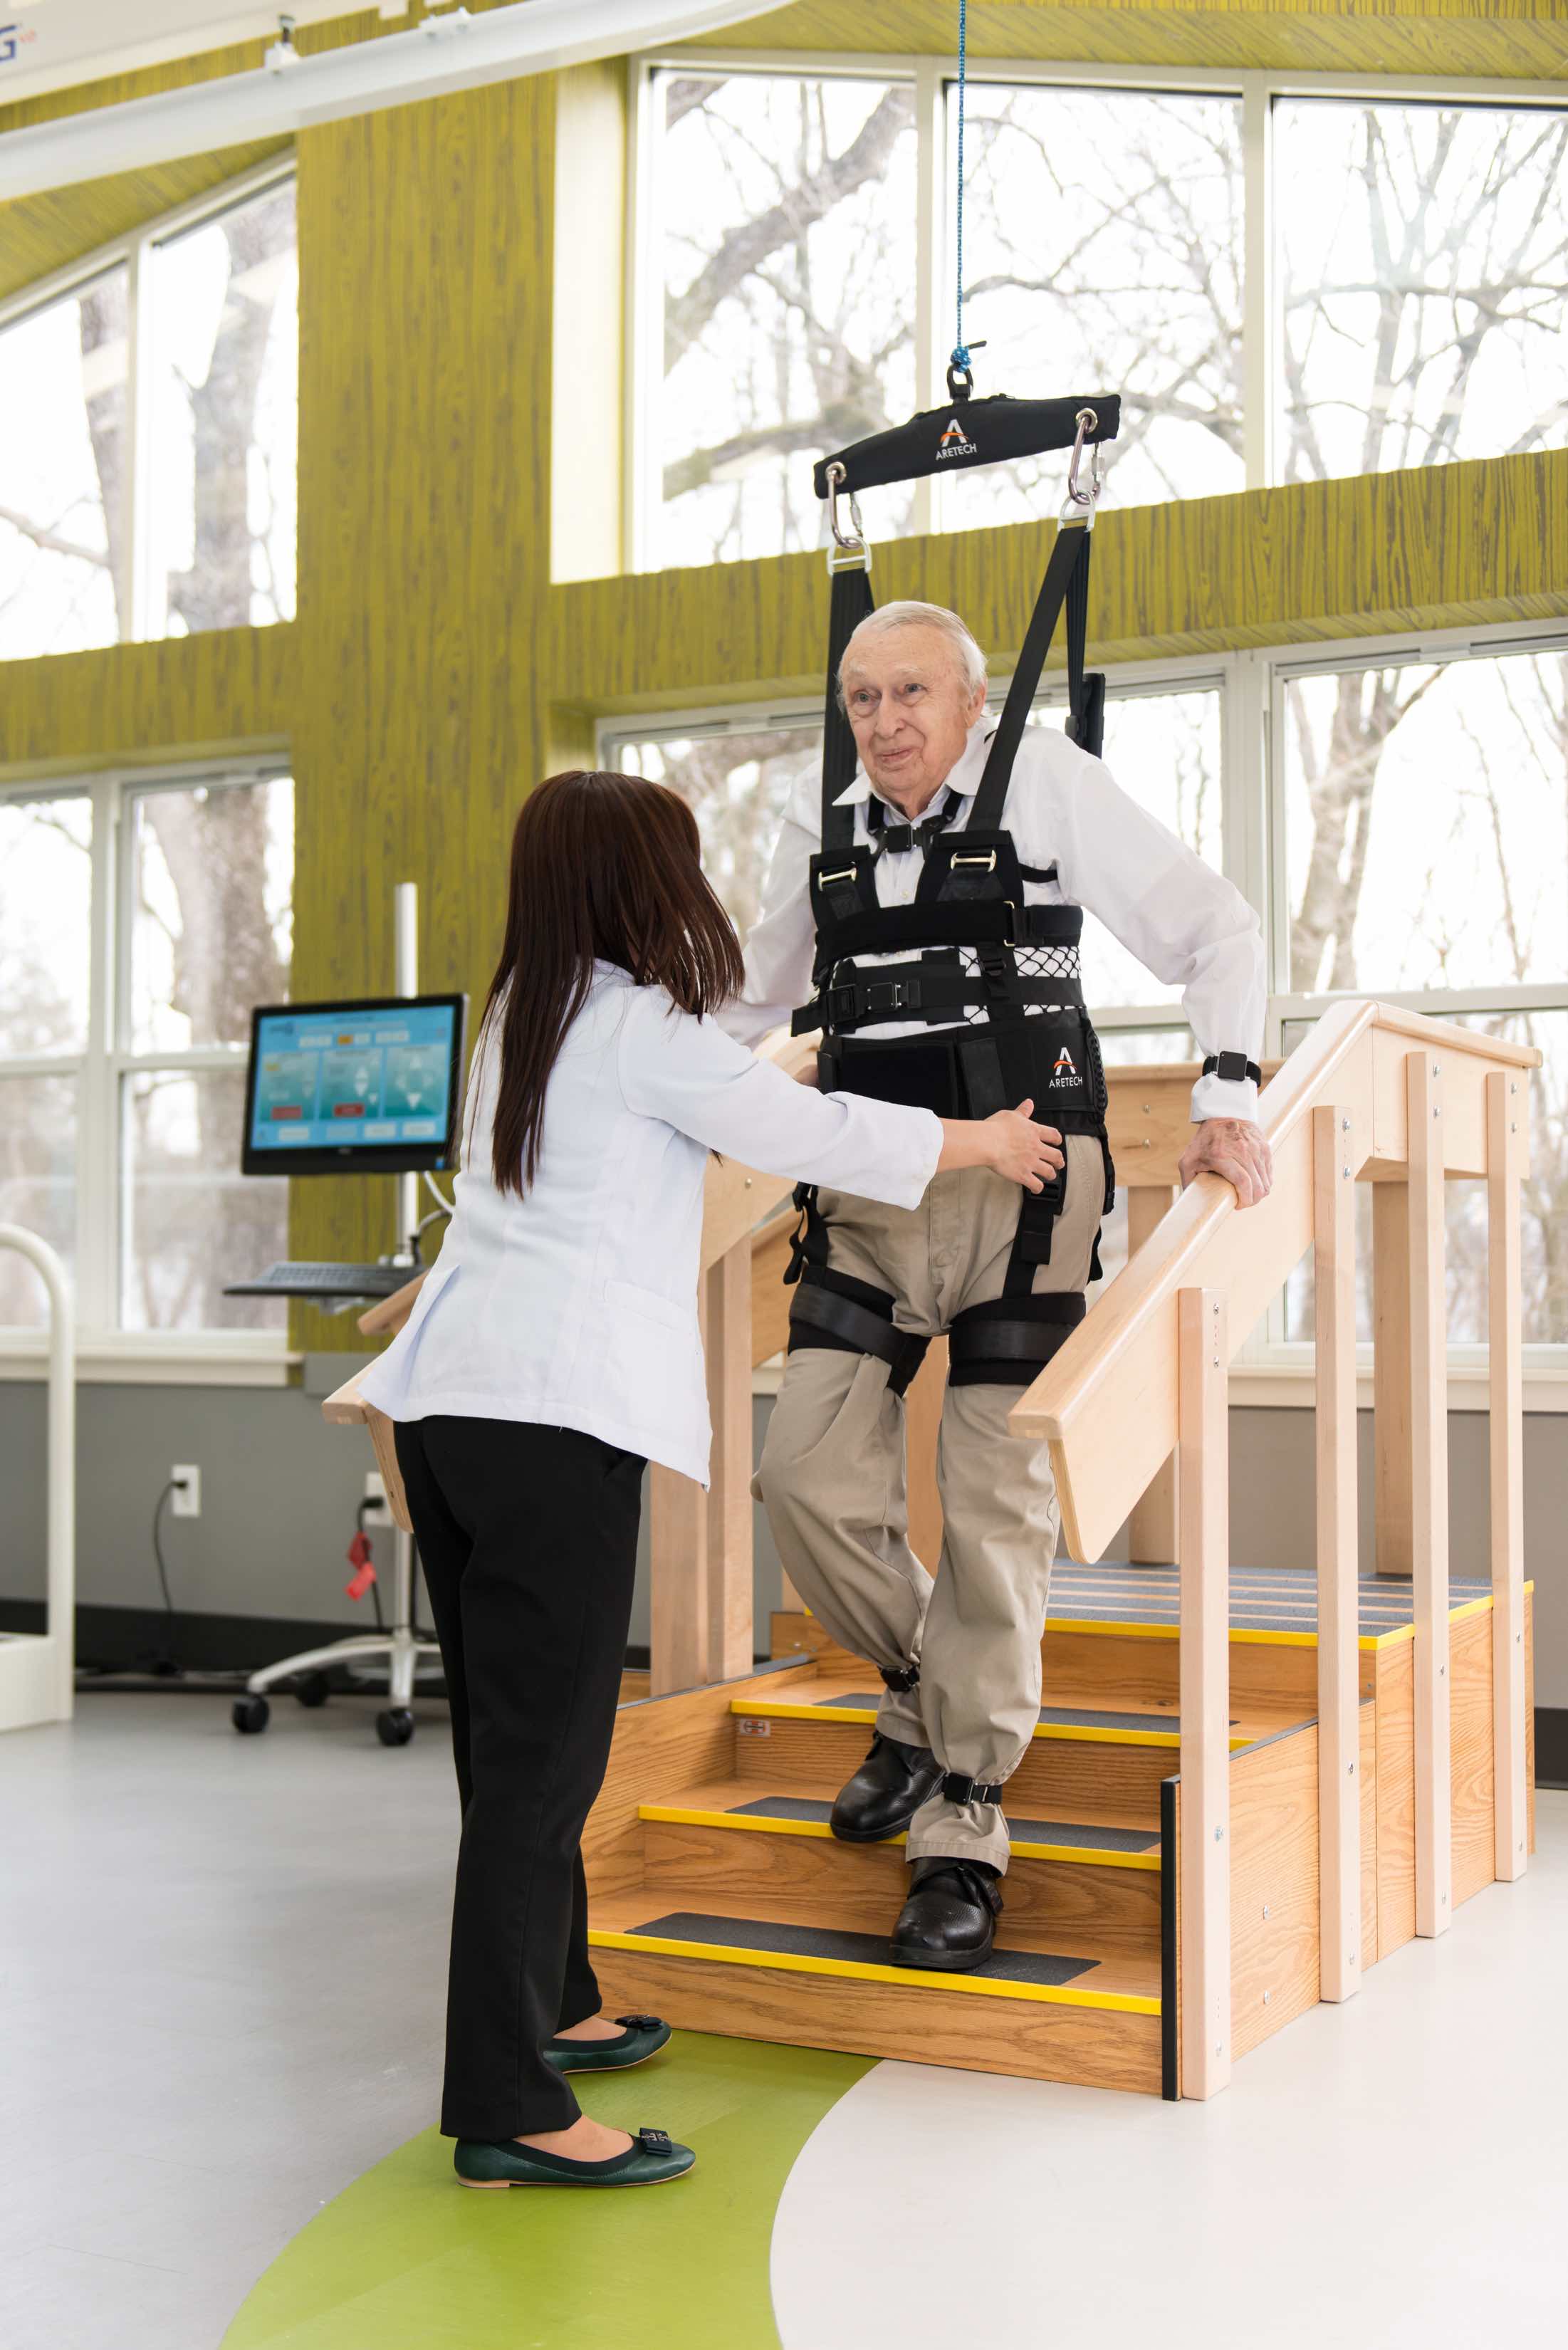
column 50, row 44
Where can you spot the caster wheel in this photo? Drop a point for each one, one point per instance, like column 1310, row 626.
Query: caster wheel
column 313, row 1688
column 251, row 1713
column 395, row 1726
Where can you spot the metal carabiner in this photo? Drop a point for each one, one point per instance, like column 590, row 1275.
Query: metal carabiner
column 1079, row 504
column 846, row 554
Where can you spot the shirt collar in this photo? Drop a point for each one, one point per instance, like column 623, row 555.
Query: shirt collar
column 962, row 779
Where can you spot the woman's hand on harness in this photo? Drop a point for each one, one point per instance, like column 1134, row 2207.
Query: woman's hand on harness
column 1008, row 1141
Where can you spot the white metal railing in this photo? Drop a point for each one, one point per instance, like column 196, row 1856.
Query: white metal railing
column 37, row 1669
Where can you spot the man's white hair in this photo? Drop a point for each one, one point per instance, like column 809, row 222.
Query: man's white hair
column 909, row 615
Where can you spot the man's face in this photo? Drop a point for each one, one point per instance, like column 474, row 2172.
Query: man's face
column 910, row 709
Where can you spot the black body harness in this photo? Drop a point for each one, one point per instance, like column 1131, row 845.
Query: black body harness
column 974, row 961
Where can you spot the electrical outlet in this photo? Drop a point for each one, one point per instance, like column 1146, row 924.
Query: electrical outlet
column 186, row 1499
column 377, row 1514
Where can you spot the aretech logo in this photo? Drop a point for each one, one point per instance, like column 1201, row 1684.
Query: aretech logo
column 1065, row 1072
column 955, row 443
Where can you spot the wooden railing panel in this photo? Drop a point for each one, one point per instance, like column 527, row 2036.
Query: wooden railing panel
column 1106, row 1401
column 1204, row 1356
column 1338, row 1557
column 1429, row 1098
column 1507, row 1119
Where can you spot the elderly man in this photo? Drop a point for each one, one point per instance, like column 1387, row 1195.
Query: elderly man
column 928, row 919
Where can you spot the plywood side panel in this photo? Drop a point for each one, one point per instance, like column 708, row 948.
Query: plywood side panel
column 1369, row 1949
column 1274, row 1886
column 1396, row 1707
column 1472, row 1758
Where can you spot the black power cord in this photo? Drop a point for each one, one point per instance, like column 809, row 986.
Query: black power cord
column 168, row 1664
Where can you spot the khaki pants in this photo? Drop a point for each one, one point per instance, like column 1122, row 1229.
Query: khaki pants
column 833, row 1477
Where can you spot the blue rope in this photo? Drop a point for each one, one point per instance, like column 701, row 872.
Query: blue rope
column 961, row 348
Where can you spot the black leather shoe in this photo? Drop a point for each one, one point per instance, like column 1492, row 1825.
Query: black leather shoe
column 949, row 1918
column 885, row 1792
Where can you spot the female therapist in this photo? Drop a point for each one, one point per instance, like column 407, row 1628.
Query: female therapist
column 554, row 1350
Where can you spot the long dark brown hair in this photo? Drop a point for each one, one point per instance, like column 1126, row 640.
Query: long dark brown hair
column 602, row 865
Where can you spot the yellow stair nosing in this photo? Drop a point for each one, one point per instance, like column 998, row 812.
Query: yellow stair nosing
column 693, row 1816
column 753, row 1709
column 1117, row 2002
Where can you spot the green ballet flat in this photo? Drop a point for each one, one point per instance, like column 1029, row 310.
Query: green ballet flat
column 642, row 2037
column 650, row 2159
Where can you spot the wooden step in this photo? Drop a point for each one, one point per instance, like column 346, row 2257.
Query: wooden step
column 1054, row 2007
column 1080, row 1759
column 1097, row 1878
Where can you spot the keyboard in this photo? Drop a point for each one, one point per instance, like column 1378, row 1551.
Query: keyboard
column 325, row 1281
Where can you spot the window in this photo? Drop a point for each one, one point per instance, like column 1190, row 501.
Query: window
column 1426, row 283
column 796, row 234
column 785, row 264
column 110, row 533
column 1425, row 809
column 737, row 782
column 122, row 1072
column 1103, row 248
column 64, row 459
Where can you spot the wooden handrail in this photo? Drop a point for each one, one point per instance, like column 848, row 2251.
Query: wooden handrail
column 1106, row 1403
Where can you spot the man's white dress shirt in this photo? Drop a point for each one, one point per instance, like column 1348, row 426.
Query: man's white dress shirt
column 1181, row 919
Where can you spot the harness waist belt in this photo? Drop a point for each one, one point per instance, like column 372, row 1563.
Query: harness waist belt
column 952, row 922
column 908, row 988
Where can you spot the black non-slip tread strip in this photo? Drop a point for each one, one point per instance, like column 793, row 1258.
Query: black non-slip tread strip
column 1071, row 1832
column 832, row 1942
column 1054, row 1717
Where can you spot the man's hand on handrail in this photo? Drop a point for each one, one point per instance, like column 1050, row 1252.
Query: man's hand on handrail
column 1235, row 1147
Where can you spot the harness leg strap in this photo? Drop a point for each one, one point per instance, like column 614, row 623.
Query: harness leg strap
column 1008, row 1341
column 833, row 1310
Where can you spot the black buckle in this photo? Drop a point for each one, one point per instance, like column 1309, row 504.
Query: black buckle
column 654, row 2141
column 903, row 1680
column 960, row 1789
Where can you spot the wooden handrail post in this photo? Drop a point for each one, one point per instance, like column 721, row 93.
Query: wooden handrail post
column 678, row 1582
column 1429, row 1493
column 728, row 1319
column 1152, row 1527
column 1391, row 1376
column 1203, row 1359
column 1335, row 1159
column 1507, row 1108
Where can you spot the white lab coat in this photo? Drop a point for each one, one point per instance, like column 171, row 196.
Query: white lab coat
column 577, row 1306
column 1183, row 920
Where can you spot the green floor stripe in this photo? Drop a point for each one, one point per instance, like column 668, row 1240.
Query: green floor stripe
column 406, row 2256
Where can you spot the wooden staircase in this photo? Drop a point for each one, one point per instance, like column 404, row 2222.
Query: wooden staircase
column 1246, row 1787
column 722, row 1901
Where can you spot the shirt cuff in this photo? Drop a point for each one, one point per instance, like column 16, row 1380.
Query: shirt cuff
column 1216, row 1096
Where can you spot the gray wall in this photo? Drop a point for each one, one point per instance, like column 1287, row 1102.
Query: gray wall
column 280, row 1487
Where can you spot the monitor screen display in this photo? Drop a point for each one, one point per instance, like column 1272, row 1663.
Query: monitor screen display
column 354, row 1087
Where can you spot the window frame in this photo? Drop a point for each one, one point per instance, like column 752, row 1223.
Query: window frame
column 1271, row 1368
column 133, row 251
column 934, row 79
column 101, row 1071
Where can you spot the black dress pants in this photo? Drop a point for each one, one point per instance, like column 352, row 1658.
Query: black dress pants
column 528, row 1539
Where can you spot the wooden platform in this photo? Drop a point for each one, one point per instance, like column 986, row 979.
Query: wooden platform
column 722, row 1899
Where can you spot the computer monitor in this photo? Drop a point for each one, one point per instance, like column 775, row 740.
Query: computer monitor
column 370, row 1087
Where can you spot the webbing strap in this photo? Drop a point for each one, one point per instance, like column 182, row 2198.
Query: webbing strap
column 821, row 1314
column 1066, row 581
column 852, row 602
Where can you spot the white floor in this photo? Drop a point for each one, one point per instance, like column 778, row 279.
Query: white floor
column 1391, row 2174
column 222, row 1962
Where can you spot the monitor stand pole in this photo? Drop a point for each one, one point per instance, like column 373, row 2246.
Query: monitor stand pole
column 396, row 1725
